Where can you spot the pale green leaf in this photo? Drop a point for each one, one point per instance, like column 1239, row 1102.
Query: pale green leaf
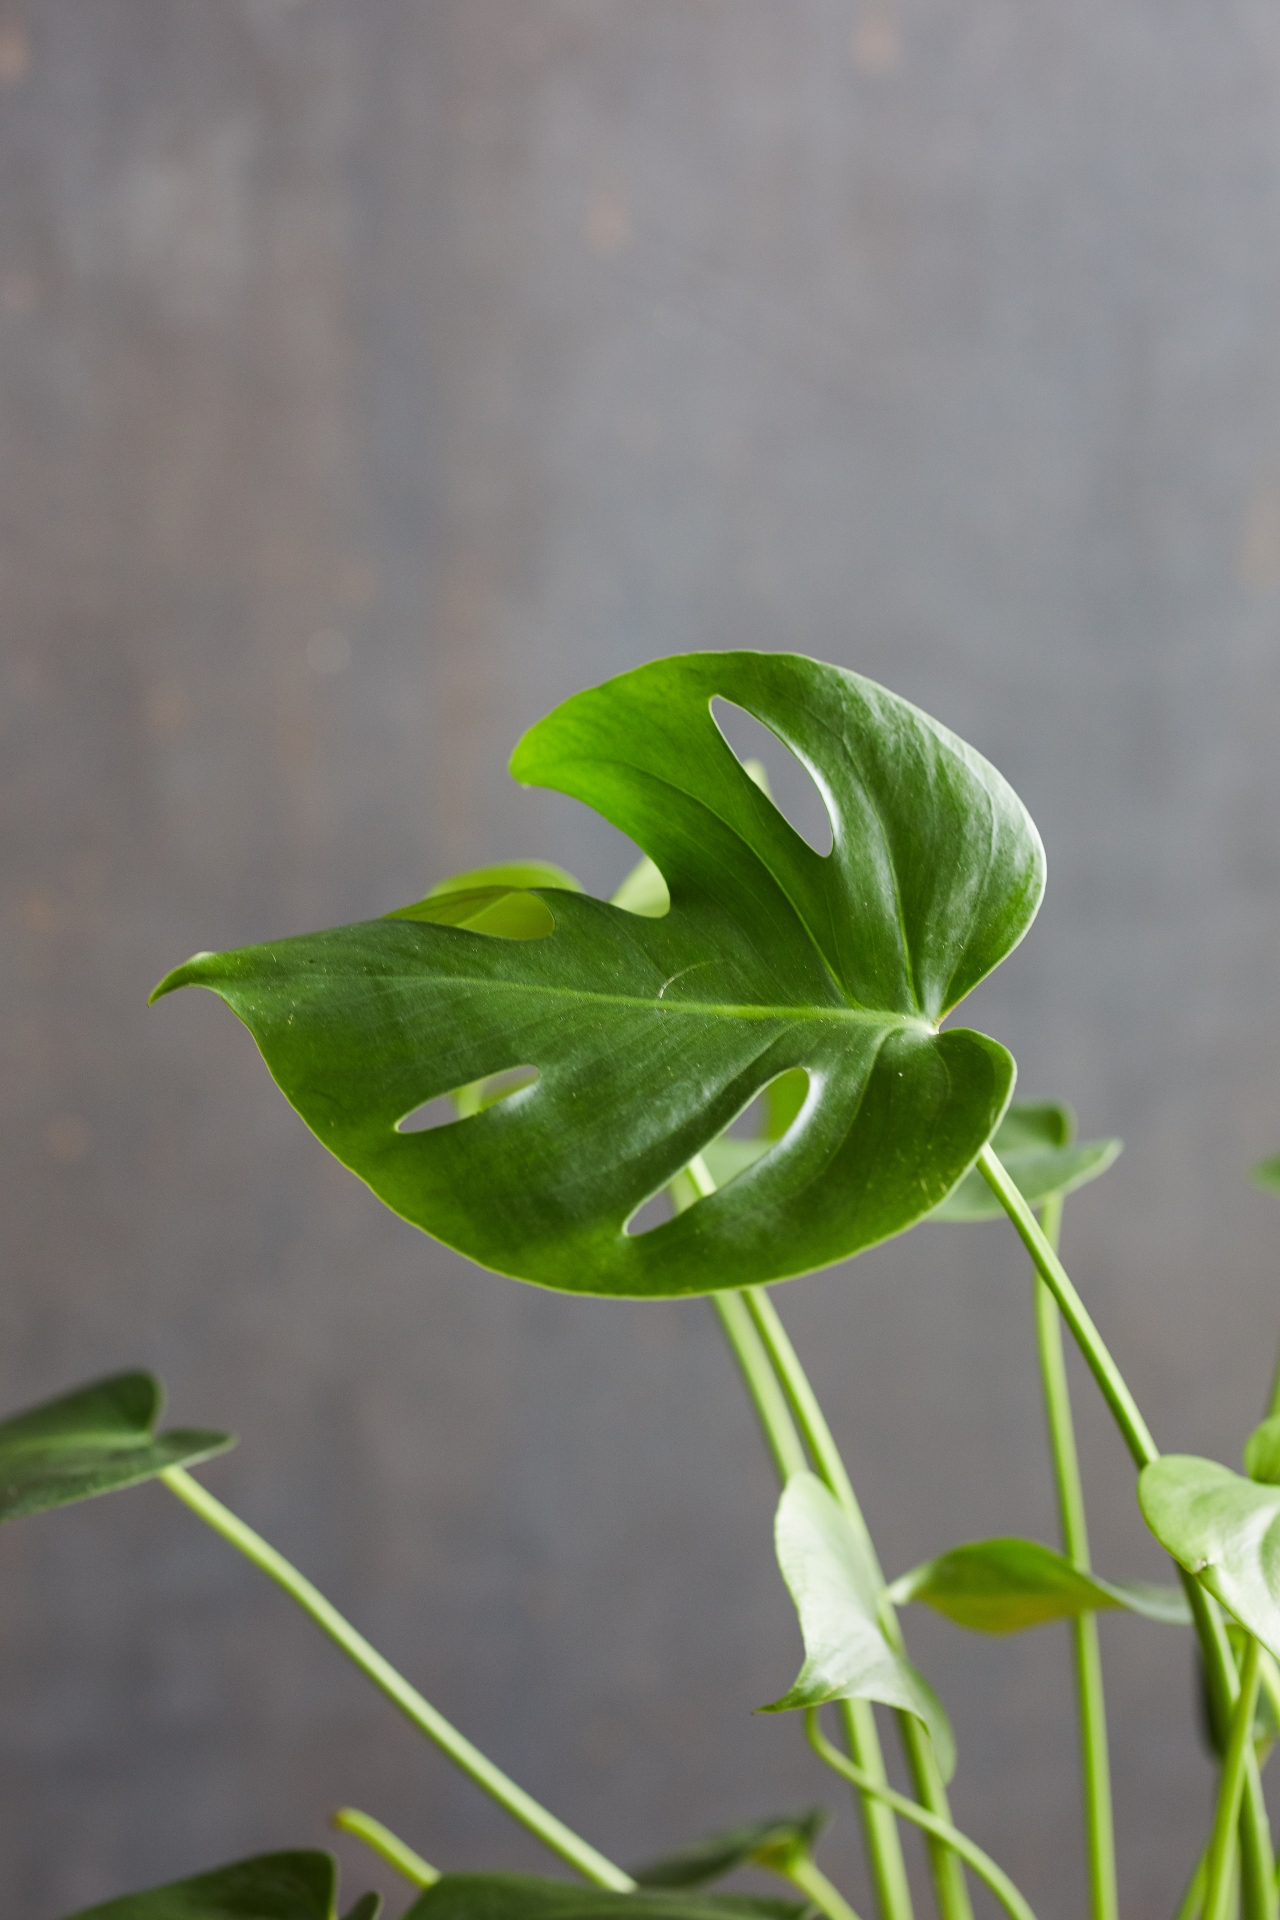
column 1003, row 1586
column 1222, row 1528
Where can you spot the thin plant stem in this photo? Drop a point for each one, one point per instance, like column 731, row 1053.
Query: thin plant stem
column 1257, row 1858
column 813, row 1882
column 947, row 1872
column 522, row 1806
column 387, row 1845
column 1193, row 1899
column 1013, row 1902
column 880, row 1831
column 1217, row 1893
column 1091, row 1703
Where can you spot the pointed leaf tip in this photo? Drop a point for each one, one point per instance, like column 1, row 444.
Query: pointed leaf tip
column 1007, row 1585
column 270, row 1886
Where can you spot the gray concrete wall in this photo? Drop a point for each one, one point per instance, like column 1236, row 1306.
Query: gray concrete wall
column 516, row 342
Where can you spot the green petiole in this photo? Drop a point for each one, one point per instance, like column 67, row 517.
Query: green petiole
column 520, row 1805
column 1218, row 1874
column 387, row 1845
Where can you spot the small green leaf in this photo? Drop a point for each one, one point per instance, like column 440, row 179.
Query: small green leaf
column 652, row 1034
column 1034, row 1142
column 765, row 1843
column 837, row 1594
column 92, row 1441
column 1262, row 1452
column 367, row 1907
column 272, row 1886
column 1267, row 1175
column 519, row 1896
column 1222, row 1528
column 1002, row 1586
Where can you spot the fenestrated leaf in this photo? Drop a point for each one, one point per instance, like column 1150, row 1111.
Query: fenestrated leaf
column 837, row 1594
column 1262, row 1452
column 272, row 1886
column 93, row 1441
column 1002, row 1586
column 651, row 1034
column 1034, row 1140
column 768, row 1843
column 519, row 1896
column 1267, row 1175
column 1222, row 1528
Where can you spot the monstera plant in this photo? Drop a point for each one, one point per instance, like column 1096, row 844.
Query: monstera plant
column 734, row 1072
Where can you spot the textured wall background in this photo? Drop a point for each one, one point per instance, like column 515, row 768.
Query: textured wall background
column 513, row 342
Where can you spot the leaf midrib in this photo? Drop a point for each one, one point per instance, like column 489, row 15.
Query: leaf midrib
column 859, row 1016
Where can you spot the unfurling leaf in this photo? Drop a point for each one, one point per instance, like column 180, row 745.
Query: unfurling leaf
column 519, row 1896
column 1222, row 1528
column 837, row 1594
column 272, row 1886
column 1034, row 1141
column 1262, row 1452
column 651, row 1034
column 765, row 1843
column 93, row 1441
column 1002, row 1586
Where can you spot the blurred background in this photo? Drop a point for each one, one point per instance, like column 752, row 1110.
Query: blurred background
column 374, row 374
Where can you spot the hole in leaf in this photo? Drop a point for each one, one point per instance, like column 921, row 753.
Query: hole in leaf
column 478, row 1095
column 762, row 1123
column 788, row 782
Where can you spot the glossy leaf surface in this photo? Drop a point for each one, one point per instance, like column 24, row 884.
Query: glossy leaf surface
column 1222, row 1528
column 519, row 1896
column 767, row 1843
column 1262, row 1452
column 651, row 1033
column 837, row 1596
column 272, row 1886
column 98, row 1439
column 1035, row 1142
column 1002, row 1586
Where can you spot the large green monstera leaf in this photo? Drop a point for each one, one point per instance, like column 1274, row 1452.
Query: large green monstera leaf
column 651, row 1033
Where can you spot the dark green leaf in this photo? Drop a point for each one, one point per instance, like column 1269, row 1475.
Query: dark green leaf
column 1002, row 1586
column 519, row 1896
column 766, row 1843
column 837, row 1594
column 1262, row 1452
column 1034, row 1142
column 92, row 1441
column 651, row 1034
column 1267, row 1175
column 274, row 1886
column 367, row 1907
column 1222, row 1528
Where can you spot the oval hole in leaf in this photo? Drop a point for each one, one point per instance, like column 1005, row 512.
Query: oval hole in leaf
column 788, row 782
column 655, row 1212
column 446, row 1109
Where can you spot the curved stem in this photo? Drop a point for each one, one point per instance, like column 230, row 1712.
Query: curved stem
column 1091, row 1702
column 884, row 1847
column 1257, row 1859
column 1217, row 1891
column 983, row 1865
column 387, row 1845
column 522, row 1806
column 947, row 1873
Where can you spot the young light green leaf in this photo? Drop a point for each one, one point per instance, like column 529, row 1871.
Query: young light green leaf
column 1002, row 1586
column 1267, row 1175
column 519, row 1896
column 837, row 1596
column 651, row 1034
column 272, row 1886
column 1034, row 1140
column 98, row 1439
column 1262, row 1452
column 769, row 1843
column 1222, row 1528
